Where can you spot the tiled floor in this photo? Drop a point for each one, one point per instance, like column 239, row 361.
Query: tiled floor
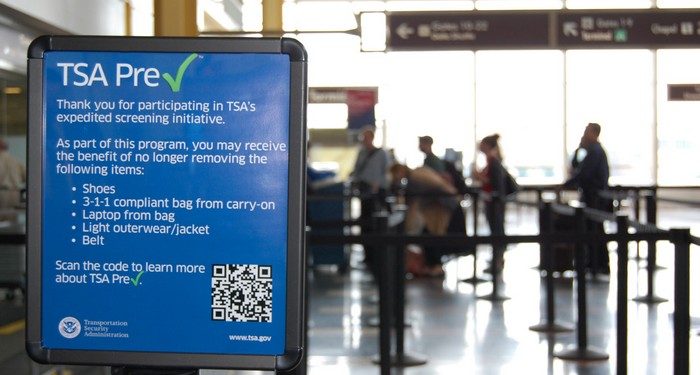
column 459, row 333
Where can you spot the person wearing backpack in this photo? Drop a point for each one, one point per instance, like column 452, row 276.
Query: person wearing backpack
column 493, row 180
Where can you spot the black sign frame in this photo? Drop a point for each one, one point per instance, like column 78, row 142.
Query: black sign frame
column 295, row 279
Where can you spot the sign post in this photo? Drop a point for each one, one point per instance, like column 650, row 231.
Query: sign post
column 166, row 203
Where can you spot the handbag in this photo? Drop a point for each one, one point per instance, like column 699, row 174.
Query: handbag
column 511, row 186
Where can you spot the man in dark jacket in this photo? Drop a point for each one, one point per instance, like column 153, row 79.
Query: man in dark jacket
column 425, row 145
column 591, row 177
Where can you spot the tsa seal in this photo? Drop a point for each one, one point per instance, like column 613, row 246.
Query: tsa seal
column 69, row 327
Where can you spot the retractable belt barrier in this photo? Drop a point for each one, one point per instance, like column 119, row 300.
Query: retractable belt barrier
column 680, row 238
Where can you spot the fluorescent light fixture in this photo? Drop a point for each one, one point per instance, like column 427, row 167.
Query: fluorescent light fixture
column 608, row 4
column 359, row 6
column 252, row 16
column 678, row 4
column 518, row 4
column 407, row 5
column 219, row 15
column 373, row 28
column 12, row 90
column 319, row 16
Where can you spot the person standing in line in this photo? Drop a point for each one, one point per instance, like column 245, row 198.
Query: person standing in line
column 13, row 177
column 369, row 178
column 591, row 177
column 493, row 186
column 425, row 145
column 431, row 201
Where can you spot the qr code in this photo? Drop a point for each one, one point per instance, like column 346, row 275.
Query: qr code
column 241, row 293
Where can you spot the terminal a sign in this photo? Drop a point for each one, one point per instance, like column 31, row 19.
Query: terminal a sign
column 554, row 29
column 629, row 29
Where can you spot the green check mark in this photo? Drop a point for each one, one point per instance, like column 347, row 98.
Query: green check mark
column 136, row 280
column 175, row 83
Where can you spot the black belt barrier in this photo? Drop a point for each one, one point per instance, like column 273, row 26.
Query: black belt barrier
column 392, row 246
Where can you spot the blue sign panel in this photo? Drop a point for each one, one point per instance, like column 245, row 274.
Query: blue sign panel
column 165, row 185
column 160, row 244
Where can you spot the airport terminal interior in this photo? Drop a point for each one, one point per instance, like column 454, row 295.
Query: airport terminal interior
column 446, row 69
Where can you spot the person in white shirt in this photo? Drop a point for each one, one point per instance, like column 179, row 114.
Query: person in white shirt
column 369, row 178
column 13, row 178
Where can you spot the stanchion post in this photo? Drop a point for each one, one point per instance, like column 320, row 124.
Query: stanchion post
column 637, row 210
column 681, row 296
column 385, row 297
column 650, row 298
column 401, row 358
column 475, row 225
column 546, row 228
column 399, row 299
column 581, row 250
column 475, row 212
column 581, row 352
column 622, row 259
column 392, row 303
column 651, row 255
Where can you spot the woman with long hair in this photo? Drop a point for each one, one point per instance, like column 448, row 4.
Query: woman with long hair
column 493, row 186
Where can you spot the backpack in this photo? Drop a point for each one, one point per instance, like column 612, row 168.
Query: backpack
column 456, row 177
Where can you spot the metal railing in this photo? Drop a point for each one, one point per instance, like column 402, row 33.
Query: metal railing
column 391, row 284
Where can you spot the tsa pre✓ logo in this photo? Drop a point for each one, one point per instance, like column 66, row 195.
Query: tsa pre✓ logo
column 83, row 74
column 69, row 327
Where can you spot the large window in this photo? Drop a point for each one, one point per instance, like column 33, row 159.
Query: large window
column 616, row 90
column 539, row 101
column 519, row 95
column 678, row 131
column 428, row 94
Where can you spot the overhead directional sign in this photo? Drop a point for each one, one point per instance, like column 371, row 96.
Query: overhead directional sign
column 629, row 29
column 553, row 29
column 684, row 92
column 467, row 30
